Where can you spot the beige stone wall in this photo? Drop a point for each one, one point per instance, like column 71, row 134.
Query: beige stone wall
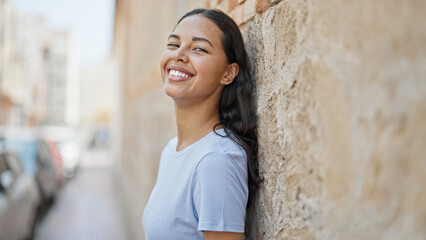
column 341, row 95
column 342, row 108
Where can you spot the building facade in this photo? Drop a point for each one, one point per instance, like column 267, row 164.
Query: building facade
column 37, row 70
column 9, row 110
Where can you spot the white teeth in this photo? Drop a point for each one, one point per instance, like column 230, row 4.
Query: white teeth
column 178, row 73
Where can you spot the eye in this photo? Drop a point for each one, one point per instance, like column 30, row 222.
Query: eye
column 172, row 45
column 200, row 50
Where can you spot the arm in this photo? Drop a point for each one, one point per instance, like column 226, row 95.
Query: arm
column 220, row 196
column 209, row 235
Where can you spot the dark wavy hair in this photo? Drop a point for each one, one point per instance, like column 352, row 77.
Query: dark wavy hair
column 237, row 111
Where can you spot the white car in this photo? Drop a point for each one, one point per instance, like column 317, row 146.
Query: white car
column 71, row 153
column 68, row 142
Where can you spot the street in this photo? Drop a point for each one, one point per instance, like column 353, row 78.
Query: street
column 88, row 206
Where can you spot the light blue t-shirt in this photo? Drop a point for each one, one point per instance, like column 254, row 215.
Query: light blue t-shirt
column 201, row 188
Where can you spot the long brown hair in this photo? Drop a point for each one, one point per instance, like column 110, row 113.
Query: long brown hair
column 237, row 111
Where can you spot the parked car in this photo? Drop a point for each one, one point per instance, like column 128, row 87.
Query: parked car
column 66, row 141
column 19, row 199
column 71, row 154
column 100, row 139
column 58, row 159
column 49, row 175
column 37, row 160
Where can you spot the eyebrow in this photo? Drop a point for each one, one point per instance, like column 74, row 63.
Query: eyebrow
column 193, row 39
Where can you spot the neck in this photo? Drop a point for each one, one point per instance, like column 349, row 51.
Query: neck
column 194, row 122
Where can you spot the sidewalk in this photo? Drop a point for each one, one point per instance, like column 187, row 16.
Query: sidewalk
column 87, row 206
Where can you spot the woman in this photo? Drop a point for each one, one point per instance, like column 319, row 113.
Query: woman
column 202, row 188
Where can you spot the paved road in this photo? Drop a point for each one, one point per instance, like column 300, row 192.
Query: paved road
column 87, row 206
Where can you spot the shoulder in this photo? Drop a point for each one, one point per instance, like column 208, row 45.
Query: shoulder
column 222, row 156
column 220, row 143
column 222, row 150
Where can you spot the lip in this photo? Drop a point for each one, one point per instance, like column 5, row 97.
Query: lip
column 177, row 78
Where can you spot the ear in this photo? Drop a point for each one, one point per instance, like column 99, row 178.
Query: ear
column 230, row 74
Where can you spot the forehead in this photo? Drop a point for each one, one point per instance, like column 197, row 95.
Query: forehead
column 199, row 26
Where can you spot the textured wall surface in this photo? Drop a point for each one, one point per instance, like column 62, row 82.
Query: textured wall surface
column 341, row 89
column 342, row 108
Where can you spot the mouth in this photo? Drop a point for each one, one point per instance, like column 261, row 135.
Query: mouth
column 178, row 74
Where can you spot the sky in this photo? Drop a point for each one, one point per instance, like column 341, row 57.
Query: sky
column 90, row 22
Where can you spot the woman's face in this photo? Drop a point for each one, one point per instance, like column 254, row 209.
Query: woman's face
column 194, row 66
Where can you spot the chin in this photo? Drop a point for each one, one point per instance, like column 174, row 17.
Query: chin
column 173, row 93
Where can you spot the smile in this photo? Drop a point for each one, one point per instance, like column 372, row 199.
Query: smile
column 177, row 73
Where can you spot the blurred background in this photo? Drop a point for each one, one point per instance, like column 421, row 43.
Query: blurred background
column 58, row 97
column 341, row 100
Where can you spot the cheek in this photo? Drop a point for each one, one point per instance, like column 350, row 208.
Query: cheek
column 211, row 69
column 164, row 59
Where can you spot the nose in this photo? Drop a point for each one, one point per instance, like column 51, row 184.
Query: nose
column 180, row 55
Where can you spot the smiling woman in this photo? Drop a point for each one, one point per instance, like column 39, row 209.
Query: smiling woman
column 194, row 65
column 208, row 173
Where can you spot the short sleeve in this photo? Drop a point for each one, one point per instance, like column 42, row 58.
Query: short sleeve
column 220, row 193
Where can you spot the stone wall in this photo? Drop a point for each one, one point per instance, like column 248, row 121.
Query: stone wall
column 341, row 94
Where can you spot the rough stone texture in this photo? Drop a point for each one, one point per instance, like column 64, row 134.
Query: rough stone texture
column 342, row 106
column 263, row 5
